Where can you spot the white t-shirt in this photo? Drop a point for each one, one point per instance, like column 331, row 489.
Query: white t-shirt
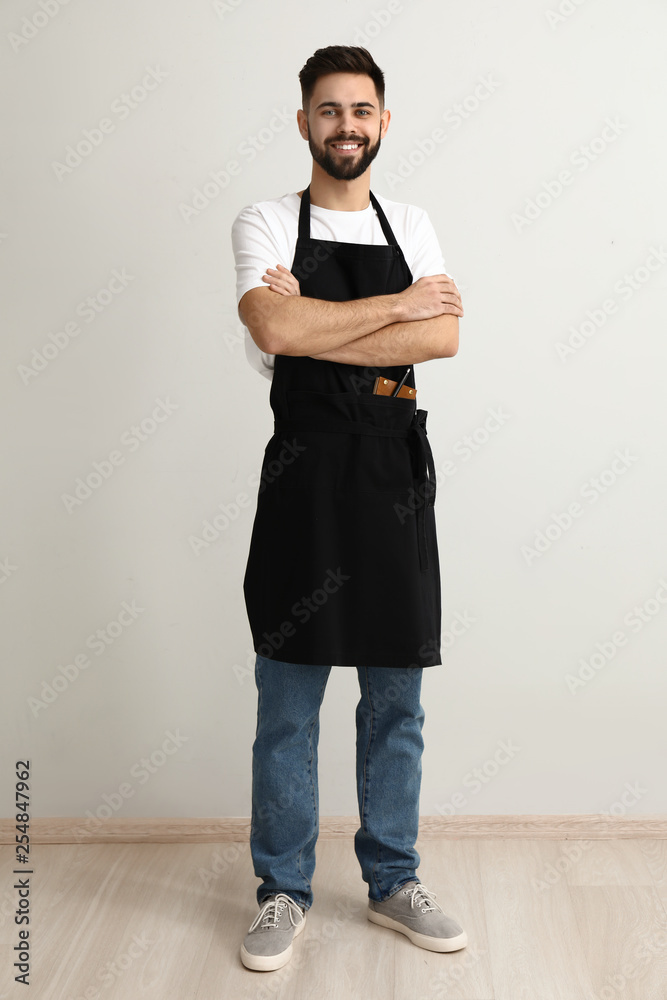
column 264, row 234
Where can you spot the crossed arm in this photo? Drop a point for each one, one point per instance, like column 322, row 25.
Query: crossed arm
column 400, row 344
column 405, row 342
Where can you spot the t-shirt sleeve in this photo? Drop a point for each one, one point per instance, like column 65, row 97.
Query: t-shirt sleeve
column 427, row 256
column 256, row 246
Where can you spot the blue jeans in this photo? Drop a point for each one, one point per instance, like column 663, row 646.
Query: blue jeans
column 285, row 797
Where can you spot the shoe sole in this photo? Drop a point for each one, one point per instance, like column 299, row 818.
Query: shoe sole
column 421, row 940
column 269, row 963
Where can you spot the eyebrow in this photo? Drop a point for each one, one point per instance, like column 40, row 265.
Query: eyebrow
column 337, row 104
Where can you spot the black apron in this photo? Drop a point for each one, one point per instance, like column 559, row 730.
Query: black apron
column 343, row 565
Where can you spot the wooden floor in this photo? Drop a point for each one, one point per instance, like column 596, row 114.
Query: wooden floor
column 546, row 920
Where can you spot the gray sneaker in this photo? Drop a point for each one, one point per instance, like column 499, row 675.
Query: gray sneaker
column 268, row 943
column 412, row 910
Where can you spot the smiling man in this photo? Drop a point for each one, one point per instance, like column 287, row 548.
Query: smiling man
column 342, row 292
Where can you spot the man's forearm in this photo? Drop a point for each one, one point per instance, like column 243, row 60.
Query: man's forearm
column 302, row 326
column 400, row 343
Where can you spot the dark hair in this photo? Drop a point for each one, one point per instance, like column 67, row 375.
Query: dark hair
column 339, row 59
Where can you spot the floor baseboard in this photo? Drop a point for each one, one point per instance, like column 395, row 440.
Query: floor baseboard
column 91, row 829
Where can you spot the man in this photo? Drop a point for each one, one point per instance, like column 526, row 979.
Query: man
column 343, row 563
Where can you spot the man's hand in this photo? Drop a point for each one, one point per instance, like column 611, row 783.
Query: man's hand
column 281, row 281
column 434, row 295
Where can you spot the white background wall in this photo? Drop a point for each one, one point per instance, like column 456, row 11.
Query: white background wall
column 172, row 334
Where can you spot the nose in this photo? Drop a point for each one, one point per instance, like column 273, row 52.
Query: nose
column 348, row 124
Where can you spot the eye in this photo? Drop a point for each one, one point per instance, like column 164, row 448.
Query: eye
column 363, row 111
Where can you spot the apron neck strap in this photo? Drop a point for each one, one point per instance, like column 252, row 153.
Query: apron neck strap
column 304, row 218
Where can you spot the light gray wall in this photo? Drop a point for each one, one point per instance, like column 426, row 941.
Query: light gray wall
column 183, row 664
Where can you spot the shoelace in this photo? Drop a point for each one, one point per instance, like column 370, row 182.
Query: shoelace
column 420, row 894
column 272, row 910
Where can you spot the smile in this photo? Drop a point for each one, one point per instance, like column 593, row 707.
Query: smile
column 347, row 147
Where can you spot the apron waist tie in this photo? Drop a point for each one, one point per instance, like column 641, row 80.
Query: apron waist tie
column 426, row 488
column 426, row 483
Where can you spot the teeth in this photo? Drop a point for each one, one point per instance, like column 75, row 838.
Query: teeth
column 351, row 145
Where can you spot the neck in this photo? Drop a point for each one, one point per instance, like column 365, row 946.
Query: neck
column 339, row 196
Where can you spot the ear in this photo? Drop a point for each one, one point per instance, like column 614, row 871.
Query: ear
column 385, row 119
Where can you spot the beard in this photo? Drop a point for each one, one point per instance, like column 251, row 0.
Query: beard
column 344, row 168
